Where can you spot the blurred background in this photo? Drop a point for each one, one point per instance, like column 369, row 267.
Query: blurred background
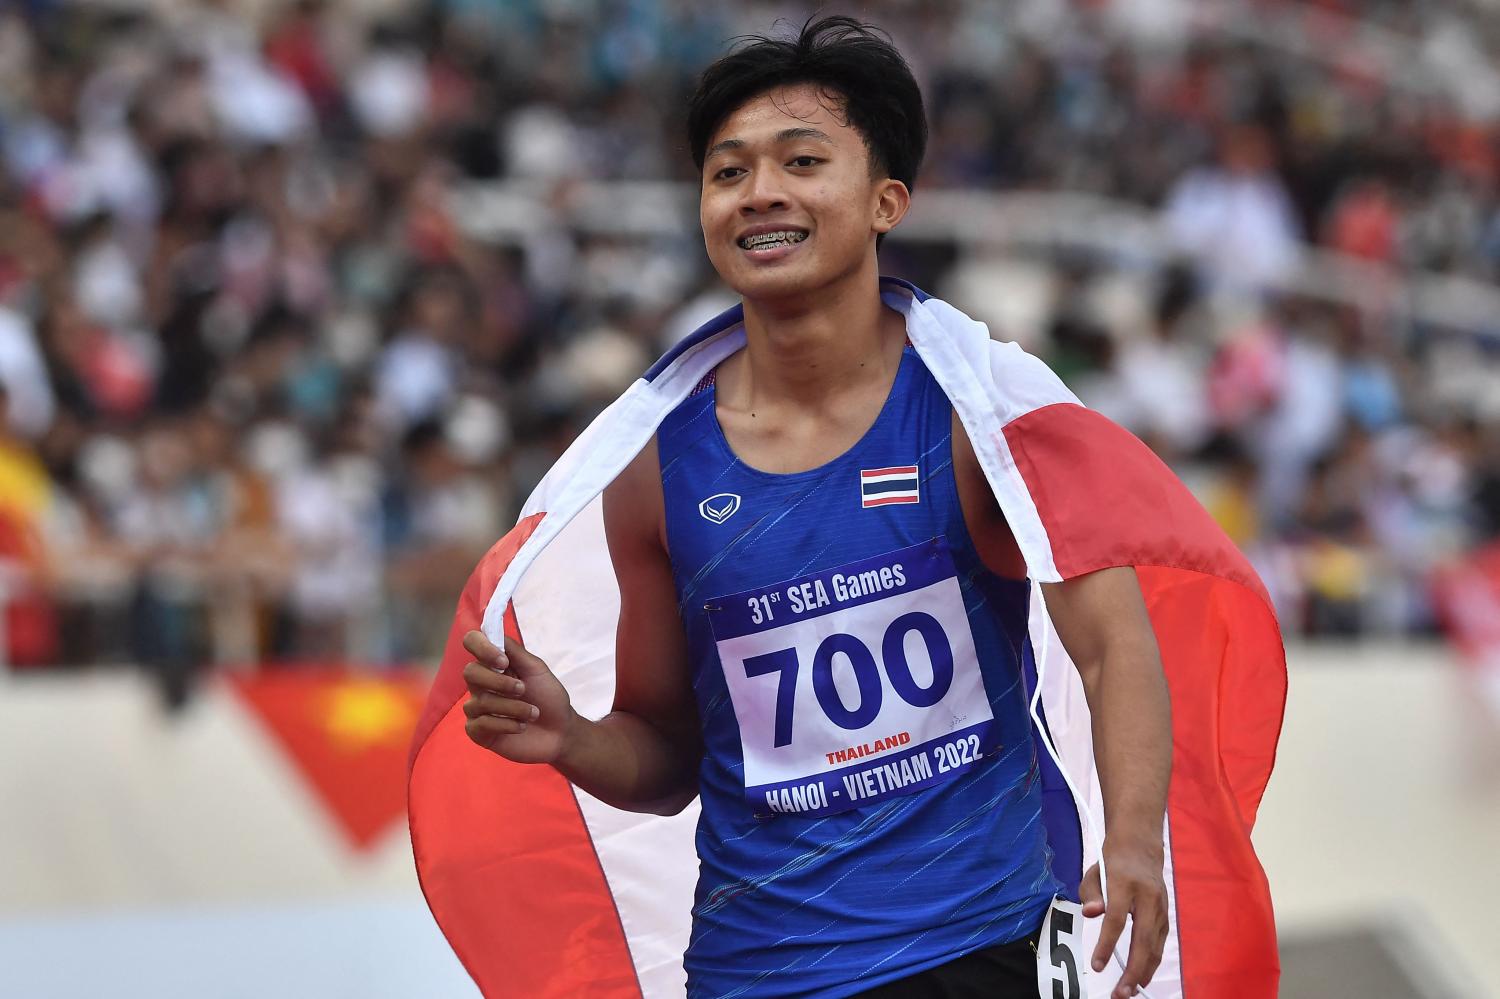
column 298, row 300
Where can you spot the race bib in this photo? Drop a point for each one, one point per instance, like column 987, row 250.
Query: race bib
column 854, row 684
column 1060, row 965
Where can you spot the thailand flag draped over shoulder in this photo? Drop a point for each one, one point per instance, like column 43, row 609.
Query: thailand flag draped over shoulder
column 546, row 893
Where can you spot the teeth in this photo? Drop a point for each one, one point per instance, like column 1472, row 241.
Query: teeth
column 784, row 237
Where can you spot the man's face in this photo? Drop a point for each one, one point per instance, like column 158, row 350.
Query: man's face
column 788, row 205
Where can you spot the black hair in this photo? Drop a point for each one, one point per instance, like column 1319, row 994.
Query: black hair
column 852, row 62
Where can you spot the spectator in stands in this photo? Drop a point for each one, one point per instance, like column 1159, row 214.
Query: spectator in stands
column 1234, row 215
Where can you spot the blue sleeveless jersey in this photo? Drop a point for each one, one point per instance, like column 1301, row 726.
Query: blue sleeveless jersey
column 870, row 794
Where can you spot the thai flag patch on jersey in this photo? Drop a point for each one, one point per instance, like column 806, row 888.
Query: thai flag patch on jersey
column 884, row 486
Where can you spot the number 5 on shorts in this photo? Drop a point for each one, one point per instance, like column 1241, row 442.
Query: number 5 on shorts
column 1059, row 961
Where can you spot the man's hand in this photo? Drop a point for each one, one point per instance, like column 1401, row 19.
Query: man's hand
column 517, row 707
column 1136, row 888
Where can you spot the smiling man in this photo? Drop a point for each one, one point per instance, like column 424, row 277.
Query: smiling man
column 827, row 555
column 927, row 869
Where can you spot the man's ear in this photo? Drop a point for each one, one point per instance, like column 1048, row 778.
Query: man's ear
column 892, row 199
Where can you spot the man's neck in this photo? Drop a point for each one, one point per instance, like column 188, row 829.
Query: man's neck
column 803, row 351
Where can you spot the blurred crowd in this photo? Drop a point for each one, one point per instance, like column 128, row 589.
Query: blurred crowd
column 266, row 397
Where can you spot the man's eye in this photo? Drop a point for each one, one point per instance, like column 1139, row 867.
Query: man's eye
column 728, row 172
column 805, row 161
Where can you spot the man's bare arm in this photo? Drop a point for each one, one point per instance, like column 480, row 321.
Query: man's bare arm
column 643, row 755
column 1102, row 621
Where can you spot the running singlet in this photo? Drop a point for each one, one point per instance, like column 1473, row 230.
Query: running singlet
column 870, row 795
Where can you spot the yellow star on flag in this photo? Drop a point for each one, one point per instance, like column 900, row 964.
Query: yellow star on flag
column 361, row 713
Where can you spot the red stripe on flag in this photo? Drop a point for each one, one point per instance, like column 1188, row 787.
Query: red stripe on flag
column 888, row 500
column 904, row 469
column 448, row 686
column 503, row 853
column 1215, row 637
column 1106, row 500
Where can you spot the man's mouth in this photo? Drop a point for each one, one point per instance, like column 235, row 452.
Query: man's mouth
column 770, row 240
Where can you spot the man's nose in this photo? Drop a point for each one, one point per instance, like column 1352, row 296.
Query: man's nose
column 764, row 192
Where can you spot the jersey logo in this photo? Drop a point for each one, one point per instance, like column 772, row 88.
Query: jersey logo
column 719, row 507
column 885, row 486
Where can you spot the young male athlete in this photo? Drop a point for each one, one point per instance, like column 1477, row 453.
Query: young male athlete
column 817, row 506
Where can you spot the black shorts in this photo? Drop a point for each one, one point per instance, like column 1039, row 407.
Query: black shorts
column 1005, row 971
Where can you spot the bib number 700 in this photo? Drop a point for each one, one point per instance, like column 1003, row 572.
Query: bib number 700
column 867, row 674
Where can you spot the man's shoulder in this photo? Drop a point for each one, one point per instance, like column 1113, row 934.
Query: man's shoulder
column 633, row 501
column 641, row 474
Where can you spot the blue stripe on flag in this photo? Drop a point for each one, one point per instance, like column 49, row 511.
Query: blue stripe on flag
column 906, row 485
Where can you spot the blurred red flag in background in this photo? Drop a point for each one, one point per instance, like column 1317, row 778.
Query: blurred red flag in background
column 347, row 733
